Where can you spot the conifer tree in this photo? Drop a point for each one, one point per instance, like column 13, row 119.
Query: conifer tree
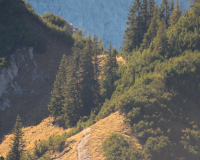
column 87, row 78
column 151, row 7
column 197, row 13
column 165, row 12
column 161, row 38
column 57, row 99
column 133, row 37
column 145, row 17
column 79, row 89
column 100, row 45
column 96, row 51
column 176, row 14
column 1, row 158
column 18, row 144
column 152, row 30
column 72, row 89
column 71, row 106
column 139, row 19
column 109, row 74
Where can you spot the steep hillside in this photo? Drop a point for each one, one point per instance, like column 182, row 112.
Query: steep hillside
column 159, row 88
column 149, row 101
column 34, row 133
column 27, row 80
column 93, row 146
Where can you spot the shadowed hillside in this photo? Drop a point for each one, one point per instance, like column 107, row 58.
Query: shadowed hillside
column 30, row 66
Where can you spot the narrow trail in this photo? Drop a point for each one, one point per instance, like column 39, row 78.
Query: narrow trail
column 83, row 153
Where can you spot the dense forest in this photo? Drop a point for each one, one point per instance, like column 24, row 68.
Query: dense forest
column 158, row 87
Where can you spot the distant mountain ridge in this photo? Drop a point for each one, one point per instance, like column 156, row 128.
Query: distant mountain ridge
column 104, row 18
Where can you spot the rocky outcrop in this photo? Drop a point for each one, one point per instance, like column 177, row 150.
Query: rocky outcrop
column 7, row 76
column 26, row 85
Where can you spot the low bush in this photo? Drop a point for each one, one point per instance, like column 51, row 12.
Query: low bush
column 117, row 147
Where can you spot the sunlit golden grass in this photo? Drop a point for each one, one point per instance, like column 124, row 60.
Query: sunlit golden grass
column 98, row 133
column 102, row 129
column 120, row 60
column 69, row 153
column 40, row 132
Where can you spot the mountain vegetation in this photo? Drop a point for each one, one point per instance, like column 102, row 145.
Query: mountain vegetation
column 77, row 90
column 161, row 103
column 158, row 87
column 18, row 144
column 15, row 33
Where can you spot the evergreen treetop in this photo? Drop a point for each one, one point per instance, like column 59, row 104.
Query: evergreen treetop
column 18, row 144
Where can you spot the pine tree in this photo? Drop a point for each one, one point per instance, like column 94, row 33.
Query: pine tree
column 18, row 144
column 133, row 37
column 96, row 51
column 152, row 30
column 197, row 13
column 72, row 89
column 1, row 158
column 161, row 42
column 57, row 98
column 79, row 89
column 87, row 78
column 145, row 17
column 100, row 45
column 139, row 19
column 151, row 7
column 109, row 72
column 165, row 12
column 176, row 14
column 71, row 106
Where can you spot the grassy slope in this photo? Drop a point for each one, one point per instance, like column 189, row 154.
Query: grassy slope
column 40, row 132
column 99, row 132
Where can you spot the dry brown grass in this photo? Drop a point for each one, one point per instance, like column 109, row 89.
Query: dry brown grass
column 70, row 153
column 99, row 132
column 121, row 60
column 102, row 129
column 40, row 132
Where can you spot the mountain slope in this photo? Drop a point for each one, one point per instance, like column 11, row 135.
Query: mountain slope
column 98, row 133
column 28, row 80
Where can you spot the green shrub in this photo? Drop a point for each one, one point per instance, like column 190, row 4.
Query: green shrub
column 158, row 148
column 14, row 32
column 116, row 147
column 54, row 19
column 191, row 142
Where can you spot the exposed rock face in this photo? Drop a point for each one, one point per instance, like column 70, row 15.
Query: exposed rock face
column 12, row 84
column 106, row 18
column 7, row 76
column 26, row 85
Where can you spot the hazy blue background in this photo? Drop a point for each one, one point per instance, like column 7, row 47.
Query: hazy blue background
column 106, row 18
